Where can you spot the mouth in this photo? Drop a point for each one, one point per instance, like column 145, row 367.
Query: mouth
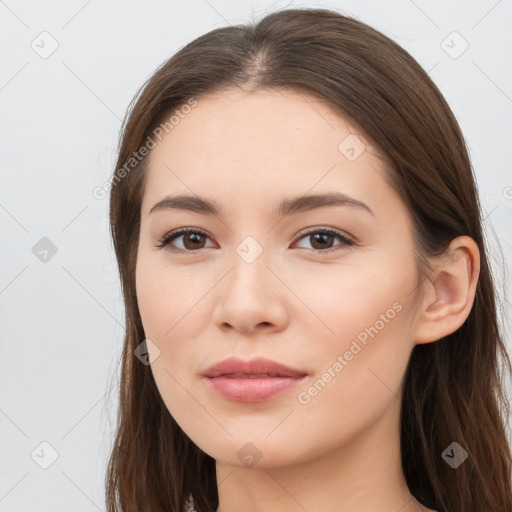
column 250, row 376
column 251, row 381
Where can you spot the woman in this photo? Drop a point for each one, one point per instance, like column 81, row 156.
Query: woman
column 311, row 321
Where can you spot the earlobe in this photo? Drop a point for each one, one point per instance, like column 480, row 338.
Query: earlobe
column 453, row 283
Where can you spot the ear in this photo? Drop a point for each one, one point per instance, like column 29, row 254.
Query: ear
column 451, row 291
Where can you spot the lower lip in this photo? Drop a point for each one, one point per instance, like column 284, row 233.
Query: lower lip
column 252, row 389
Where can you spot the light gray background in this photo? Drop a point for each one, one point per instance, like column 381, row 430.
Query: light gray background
column 62, row 320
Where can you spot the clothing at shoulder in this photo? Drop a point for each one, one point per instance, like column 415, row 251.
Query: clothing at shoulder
column 189, row 505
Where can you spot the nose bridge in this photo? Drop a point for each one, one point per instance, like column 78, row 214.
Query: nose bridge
column 252, row 249
column 250, row 294
column 249, row 261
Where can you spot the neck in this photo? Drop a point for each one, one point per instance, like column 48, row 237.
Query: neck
column 361, row 475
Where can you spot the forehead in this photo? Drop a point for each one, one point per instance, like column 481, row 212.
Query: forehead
column 261, row 120
column 240, row 146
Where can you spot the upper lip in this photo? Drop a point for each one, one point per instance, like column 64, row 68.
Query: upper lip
column 257, row 366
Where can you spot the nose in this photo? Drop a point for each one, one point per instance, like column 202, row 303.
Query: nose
column 251, row 298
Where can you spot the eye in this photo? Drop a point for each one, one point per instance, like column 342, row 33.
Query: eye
column 323, row 237
column 194, row 239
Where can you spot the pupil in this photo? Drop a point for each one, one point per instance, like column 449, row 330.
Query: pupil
column 323, row 237
column 194, row 238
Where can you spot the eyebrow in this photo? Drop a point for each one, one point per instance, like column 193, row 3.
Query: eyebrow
column 286, row 207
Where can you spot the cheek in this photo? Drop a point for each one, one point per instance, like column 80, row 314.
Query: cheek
column 360, row 368
column 346, row 300
column 367, row 315
column 169, row 306
column 167, row 297
column 165, row 311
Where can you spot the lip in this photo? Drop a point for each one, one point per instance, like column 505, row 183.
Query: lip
column 251, row 381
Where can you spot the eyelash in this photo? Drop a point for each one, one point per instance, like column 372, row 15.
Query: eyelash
column 170, row 237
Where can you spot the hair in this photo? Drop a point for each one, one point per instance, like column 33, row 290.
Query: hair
column 453, row 390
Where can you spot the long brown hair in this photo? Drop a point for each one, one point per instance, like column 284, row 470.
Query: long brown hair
column 453, row 390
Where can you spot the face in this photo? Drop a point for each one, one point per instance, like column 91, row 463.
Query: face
column 323, row 287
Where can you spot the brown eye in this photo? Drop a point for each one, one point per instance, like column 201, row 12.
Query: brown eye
column 321, row 239
column 193, row 239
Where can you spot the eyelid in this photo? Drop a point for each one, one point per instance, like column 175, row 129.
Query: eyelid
column 325, row 229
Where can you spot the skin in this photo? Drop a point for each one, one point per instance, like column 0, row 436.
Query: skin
column 247, row 152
